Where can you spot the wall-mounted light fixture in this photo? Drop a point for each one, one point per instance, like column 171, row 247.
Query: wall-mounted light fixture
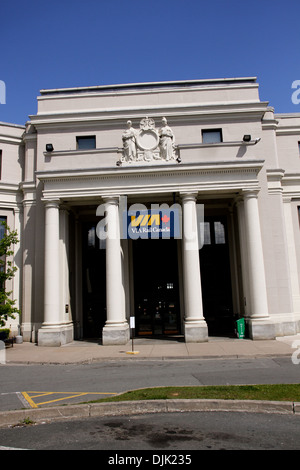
column 49, row 148
column 247, row 138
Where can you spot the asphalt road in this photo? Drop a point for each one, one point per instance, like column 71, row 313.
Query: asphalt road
column 47, row 385
column 171, row 433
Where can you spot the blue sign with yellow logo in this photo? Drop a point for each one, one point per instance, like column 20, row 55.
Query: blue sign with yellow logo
column 152, row 223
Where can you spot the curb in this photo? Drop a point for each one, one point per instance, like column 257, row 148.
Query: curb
column 42, row 415
column 133, row 357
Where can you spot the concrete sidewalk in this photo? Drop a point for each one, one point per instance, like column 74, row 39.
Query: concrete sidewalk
column 147, row 348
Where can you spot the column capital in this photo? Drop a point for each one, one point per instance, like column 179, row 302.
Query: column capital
column 250, row 193
column 51, row 203
column 189, row 196
column 113, row 199
column 18, row 209
column 246, row 194
column 64, row 208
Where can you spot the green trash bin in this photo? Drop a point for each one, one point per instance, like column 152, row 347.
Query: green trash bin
column 240, row 328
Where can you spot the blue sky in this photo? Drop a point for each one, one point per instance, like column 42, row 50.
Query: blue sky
column 70, row 43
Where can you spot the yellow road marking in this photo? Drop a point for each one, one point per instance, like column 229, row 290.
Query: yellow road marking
column 63, row 398
column 40, row 394
column 29, row 398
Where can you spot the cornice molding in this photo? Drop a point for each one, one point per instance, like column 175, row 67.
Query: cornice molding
column 291, row 185
column 5, row 139
column 223, row 176
column 177, row 112
column 274, row 178
column 155, row 169
column 162, row 86
column 289, row 130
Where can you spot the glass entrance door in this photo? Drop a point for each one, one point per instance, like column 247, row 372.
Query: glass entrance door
column 156, row 290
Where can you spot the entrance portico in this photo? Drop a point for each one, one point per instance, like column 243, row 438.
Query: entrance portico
column 192, row 184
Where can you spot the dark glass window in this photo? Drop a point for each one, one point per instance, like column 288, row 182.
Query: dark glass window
column 213, row 232
column 86, row 142
column 2, row 227
column 212, row 136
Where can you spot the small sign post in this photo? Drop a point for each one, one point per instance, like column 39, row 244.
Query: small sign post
column 132, row 327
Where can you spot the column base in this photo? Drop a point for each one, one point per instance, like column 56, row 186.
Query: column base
column 27, row 331
column 195, row 332
column 260, row 328
column 55, row 335
column 115, row 334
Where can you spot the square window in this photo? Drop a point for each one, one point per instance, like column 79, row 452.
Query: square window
column 205, row 233
column 86, row 142
column 2, row 227
column 219, row 233
column 212, row 136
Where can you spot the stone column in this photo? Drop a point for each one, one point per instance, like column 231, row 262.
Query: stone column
column 194, row 323
column 78, row 316
column 65, row 299
column 116, row 329
column 258, row 320
column 243, row 250
column 257, row 281
column 51, row 282
column 53, row 331
column 28, row 252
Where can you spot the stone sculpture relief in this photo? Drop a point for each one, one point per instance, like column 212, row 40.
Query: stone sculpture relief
column 147, row 143
column 129, row 143
column 166, row 141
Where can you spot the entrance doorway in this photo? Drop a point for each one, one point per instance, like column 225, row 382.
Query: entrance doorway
column 156, row 287
column 216, row 278
column 94, row 282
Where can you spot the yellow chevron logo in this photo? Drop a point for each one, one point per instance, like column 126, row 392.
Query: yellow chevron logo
column 143, row 220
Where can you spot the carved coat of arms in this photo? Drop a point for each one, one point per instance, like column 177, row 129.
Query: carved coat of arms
column 148, row 144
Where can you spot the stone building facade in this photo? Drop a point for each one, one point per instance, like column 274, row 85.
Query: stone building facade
column 203, row 168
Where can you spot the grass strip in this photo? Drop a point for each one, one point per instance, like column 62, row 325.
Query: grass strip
column 274, row 392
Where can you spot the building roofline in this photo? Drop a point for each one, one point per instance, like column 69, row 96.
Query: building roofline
column 163, row 84
column 8, row 124
column 286, row 115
